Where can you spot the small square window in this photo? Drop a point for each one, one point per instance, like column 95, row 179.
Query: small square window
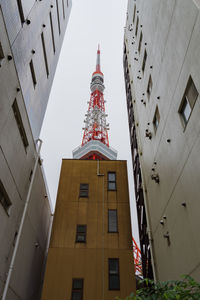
column 77, row 289
column 149, row 87
column 81, row 233
column 84, row 187
column 140, row 42
column 190, row 96
column 111, row 181
column 136, row 28
column 1, row 53
column 144, row 60
column 4, row 199
column 113, row 269
column 156, row 119
column 134, row 13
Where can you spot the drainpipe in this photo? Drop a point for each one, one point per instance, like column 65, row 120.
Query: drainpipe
column 103, row 256
column 11, row 267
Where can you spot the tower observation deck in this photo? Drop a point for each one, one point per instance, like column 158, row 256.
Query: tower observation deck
column 95, row 143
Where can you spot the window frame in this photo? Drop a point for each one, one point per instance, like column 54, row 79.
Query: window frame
column 110, row 275
column 136, row 27
column 140, row 42
column 144, row 60
column 112, row 181
column 77, row 289
column 20, row 124
column 81, row 233
column 156, row 118
column 116, row 221
column 6, row 204
column 149, row 87
column 187, row 102
column 82, row 190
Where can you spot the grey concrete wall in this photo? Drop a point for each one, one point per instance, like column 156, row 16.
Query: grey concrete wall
column 24, row 38
column 16, row 160
column 171, row 38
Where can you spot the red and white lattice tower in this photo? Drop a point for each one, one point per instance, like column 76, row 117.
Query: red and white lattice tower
column 95, row 144
column 137, row 258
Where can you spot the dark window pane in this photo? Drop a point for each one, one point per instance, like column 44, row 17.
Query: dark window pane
column 191, row 93
column 111, row 177
column 77, row 284
column 113, row 266
column 112, row 220
column 114, row 282
column 112, row 186
column 81, row 233
column 77, row 295
column 81, row 228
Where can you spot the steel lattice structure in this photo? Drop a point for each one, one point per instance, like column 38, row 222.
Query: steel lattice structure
column 137, row 258
column 96, row 127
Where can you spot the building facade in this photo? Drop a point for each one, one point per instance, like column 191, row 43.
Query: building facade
column 90, row 254
column 29, row 48
column 161, row 67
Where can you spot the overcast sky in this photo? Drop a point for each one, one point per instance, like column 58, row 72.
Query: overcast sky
column 91, row 22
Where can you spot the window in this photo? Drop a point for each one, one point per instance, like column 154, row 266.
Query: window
column 156, row 119
column 52, row 32
column 77, row 289
column 67, row 3
column 19, row 123
column 144, row 60
column 149, row 87
column 134, row 13
column 111, row 181
column 4, row 199
column 112, row 220
column 58, row 16
column 136, row 28
column 140, row 42
column 81, row 233
column 113, row 269
column 84, row 187
column 20, row 9
column 1, row 54
column 45, row 54
column 188, row 101
column 32, row 73
column 63, row 5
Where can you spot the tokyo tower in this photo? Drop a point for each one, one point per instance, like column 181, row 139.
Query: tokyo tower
column 95, row 143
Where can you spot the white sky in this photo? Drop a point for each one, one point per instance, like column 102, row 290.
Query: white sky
column 91, row 22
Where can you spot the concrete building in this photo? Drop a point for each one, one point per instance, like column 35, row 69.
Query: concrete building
column 31, row 34
column 161, row 66
column 91, row 234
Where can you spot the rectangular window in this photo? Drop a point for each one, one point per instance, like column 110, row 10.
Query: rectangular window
column 113, row 271
column 81, row 233
column 156, row 119
column 33, row 73
column 77, row 289
column 111, row 181
column 140, row 42
column 144, row 60
column 58, row 16
column 190, row 96
column 52, row 32
column 20, row 9
column 19, row 123
column 4, row 199
column 45, row 54
column 112, row 220
column 136, row 28
column 149, row 87
column 134, row 13
column 63, row 5
column 84, row 188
